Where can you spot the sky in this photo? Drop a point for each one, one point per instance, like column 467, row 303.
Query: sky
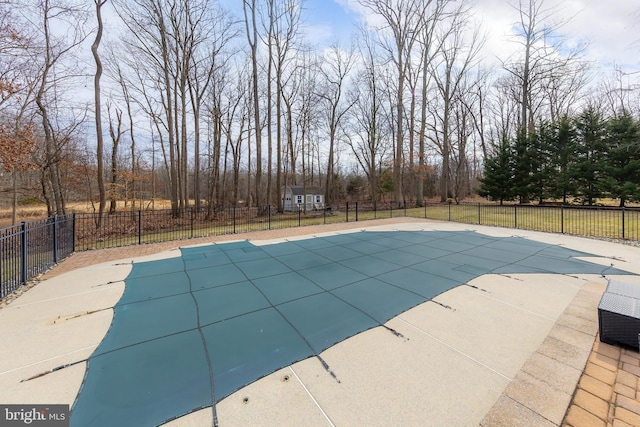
column 611, row 28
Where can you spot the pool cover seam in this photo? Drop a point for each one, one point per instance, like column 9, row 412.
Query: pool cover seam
column 536, row 253
column 400, row 267
column 330, row 292
column 204, row 345
column 313, row 350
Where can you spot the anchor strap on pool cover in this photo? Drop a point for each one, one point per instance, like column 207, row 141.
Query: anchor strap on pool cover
column 189, row 331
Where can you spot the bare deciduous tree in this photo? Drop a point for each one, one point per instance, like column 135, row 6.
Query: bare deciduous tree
column 430, row 46
column 456, row 57
column 116, row 132
column 404, row 21
column 368, row 136
column 543, row 59
column 284, row 22
column 152, row 61
column 98, row 114
column 250, row 10
column 51, row 54
column 165, row 37
column 336, row 66
column 205, row 60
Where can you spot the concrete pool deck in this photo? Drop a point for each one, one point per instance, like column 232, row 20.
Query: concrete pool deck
column 505, row 350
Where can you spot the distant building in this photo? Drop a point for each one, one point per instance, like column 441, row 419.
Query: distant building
column 295, row 198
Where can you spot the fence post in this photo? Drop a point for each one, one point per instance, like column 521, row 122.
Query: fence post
column 391, row 209
column 268, row 216
column 478, row 213
column 623, row 223
column 55, row 239
column 405, row 207
column 234, row 218
column 449, row 203
column 299, row 216
column 23, row 253
column 191, row 225
column 425, row 209
column 139, row 226
column 73, row 232
column 515, row 216
column 375, row 210
column 562, row 219
column 346, row 211
column 356, row 211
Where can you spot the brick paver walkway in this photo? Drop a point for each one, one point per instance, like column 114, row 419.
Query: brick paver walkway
column 607, row 394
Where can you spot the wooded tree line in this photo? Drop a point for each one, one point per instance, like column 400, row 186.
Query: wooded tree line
column 186, row 100
column 576, row 159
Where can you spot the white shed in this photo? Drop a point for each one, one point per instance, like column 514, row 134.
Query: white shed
column 296, row 197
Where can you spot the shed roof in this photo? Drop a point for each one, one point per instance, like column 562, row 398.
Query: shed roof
column 298, row 190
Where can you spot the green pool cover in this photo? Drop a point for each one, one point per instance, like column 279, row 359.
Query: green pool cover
column 189, row 331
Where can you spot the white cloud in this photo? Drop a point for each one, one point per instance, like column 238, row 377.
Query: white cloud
column 362, row 13
column 319, row 33
column 607, row 26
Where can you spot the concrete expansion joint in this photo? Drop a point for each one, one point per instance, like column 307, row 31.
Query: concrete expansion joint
column 468, row 356
column 313, row 399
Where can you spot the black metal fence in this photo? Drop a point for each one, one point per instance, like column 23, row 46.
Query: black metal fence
column 30, row 248
column 591, row 221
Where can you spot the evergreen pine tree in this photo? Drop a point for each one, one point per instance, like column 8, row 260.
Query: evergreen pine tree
column 525, row 162
column 497, row 182
column 563, row 158
column 587, row 170
column 542, row 164
column 622, row 168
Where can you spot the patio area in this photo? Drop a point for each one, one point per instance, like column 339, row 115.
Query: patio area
column 391, row 322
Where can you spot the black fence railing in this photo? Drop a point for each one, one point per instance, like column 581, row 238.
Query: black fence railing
column 602, row 222
column 137, row 227
column 30, row 248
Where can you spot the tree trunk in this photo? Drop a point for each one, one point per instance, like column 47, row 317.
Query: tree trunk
column 114, row 177
column 399, row 158
column 252, row 34
column 14, row 197
column 98, row 117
